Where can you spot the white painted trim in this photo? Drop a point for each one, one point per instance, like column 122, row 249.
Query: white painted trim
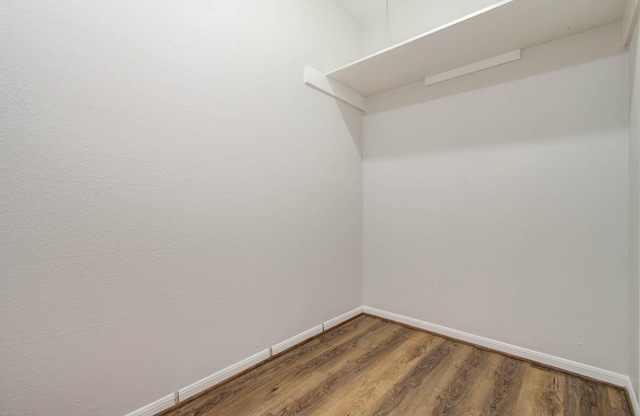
column 223, row 374
column 293, row 341
column 155, row 407
column 342, row 318
column 629, row 21
column 226, row 373
column 550, row 360
column 632, row 396
column 332, row 87
column 474, row 67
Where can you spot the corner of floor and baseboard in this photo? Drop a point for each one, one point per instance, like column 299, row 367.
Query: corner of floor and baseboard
column 596, row 373
column 218, row 377
column 616, row 379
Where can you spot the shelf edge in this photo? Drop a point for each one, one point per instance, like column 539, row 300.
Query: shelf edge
column 426, row 34
column 321, row 82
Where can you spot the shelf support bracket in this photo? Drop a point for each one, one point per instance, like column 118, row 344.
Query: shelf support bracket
column 321, row 82
column 474, row 67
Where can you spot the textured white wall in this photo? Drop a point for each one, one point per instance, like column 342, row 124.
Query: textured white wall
column 497, row 203
column 634, row 211
column 172, row 197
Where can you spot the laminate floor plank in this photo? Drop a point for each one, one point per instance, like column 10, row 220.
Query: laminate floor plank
column 454, row 399
column 309, row 395
column 618, row 400
column 420, row 390
column 277, row 369
column 365, row 392
column 487, row 385
column 309, row 372
column 587, row 398
column 507, row 382
column 373, row 367
column 542, row 393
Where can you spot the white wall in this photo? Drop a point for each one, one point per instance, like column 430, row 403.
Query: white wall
column 172, row 197
column 497, row 203
column 634, row 211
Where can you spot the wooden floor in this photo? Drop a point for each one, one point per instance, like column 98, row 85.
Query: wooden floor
column 369, row 366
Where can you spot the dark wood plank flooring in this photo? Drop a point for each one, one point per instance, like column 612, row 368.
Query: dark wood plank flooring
column 369, row 366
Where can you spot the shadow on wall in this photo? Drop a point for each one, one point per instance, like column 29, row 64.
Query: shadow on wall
column 353, row 123
column 558, row 90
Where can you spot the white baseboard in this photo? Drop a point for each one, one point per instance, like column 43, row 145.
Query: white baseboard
column 632, row 397
column 552, row 361
column 155, row 407
column 527, row 354
column 295, row 340
column 342, row 318
column 226, row 373
column 223, row 374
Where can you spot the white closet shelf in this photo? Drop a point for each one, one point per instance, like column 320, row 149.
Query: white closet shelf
column 506, row 26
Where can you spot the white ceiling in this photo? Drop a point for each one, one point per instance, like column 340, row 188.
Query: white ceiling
column 363, row 10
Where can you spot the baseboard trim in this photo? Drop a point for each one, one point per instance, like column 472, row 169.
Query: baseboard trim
column 215, row 378
column 295, row 340
column 527, row 354
column 155, row 407
column 633, row 399
column 596, row 373
column 342, row 318
column 546, row 359
column 237, row 368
